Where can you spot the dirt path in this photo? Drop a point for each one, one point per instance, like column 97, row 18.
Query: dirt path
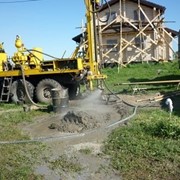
column 78, row 132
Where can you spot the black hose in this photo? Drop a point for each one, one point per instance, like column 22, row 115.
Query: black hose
column 95, row 10
column 127, row 103
column 27, row 92
column 29, row 50
column 99, row 9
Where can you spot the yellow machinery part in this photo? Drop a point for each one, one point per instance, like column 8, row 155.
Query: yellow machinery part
column 18, row 42
column 36, row 56
column 19, row 58
column 80, row 63
column 3, row 59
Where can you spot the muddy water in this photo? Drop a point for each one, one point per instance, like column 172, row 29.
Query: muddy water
column 85, row 118
column 80, row 116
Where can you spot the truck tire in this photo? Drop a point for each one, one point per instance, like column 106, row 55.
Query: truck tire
column 43, row 90
column 18, row 93
column 74, row 91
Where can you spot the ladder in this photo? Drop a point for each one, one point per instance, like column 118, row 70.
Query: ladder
column 5, row 91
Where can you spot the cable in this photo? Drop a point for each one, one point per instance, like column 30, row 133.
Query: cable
column 110, row 13
column 99, row 9
column 72, row 135
column 76, row 135
column 110, row 90
column 96, row 10
column 29, row 50
column 33, row 55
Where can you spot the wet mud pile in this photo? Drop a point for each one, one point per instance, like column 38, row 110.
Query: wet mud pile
column 87, row 114
column 81, row 116
column 123, row 110
column 79, row 121
column 76, row 121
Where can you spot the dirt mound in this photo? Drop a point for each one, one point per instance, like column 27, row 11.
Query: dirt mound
column 123, row 110
column 78, row 121
column 81, row 116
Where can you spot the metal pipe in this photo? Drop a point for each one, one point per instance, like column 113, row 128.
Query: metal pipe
column 148, row 82
column 95, row 33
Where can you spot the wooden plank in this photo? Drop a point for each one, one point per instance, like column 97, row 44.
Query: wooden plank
column 149, row 82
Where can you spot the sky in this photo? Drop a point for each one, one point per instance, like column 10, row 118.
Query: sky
column 51, row 24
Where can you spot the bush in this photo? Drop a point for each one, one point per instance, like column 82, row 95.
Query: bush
column 163, row 129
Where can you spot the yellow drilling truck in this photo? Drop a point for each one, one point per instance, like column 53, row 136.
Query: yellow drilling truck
column 27, row 70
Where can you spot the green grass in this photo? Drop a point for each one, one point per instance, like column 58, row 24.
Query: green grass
column 148, row 148
column 10, row 119
column 17, row 160
column 143, row 72
column 6, row 106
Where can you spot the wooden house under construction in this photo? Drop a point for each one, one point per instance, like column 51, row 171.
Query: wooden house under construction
column 134, row 31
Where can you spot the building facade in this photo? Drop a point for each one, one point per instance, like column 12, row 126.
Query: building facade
column 133, row 31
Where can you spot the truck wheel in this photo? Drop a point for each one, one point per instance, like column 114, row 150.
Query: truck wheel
column 74, row 91
column 43, row 90
column 18, row 93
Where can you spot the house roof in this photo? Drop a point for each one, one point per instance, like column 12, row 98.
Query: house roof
column 174, row 33
column 143, row 2
column 77, row 38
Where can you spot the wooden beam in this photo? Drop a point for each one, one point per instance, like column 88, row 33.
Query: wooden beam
column 149, row 82
column 170, row 35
